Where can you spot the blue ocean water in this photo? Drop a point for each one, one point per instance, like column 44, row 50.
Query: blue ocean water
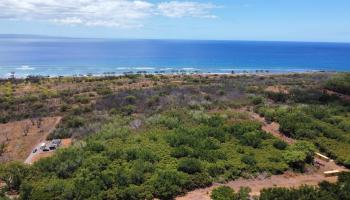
column 50, row 56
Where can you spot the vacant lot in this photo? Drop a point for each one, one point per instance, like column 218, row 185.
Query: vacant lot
column 20, row 137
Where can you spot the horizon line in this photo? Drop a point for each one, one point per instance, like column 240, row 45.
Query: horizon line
column 38, row 36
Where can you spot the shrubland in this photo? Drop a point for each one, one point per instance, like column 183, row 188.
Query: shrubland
column 153, row 136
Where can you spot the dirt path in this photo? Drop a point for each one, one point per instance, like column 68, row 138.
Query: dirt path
column 272, row 128
column 342, row 96
column 288, row 179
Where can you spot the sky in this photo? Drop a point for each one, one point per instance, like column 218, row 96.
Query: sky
column 263, row 20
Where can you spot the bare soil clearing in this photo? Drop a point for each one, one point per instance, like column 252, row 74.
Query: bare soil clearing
column 34, row 157
column 20, row 137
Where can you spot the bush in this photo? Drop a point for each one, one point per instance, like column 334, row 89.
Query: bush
column 181, row 152
column 83, row 99
column 240, row 128
column 278, row 96
column 279, row 144
column 249, row 160
column 128, row 109
column 103, row 90
column 340, row 83
column 167, row 184
column 252, row 139
column 130, row 99
column 13, row 174
column 223, row 193
column 295, row 159
column 190, row 165
column 74, row 122
column 227, row 193
column 257, row 100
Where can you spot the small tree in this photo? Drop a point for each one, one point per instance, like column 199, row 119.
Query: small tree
column 13, row 175
column 2, row 148
column 26, row 129
column 295, row 159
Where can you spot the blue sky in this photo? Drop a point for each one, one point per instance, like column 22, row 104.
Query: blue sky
column 279, row 20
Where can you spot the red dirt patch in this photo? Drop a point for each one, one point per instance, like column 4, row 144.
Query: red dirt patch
column 65, row 143
column 20, row 137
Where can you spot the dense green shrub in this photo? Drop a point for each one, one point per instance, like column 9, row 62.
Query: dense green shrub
column 279, row 144
column 226, row 193
column 277, row 96
column 168, row 184
column 223, row 193
column 325, row 191
column 103, row 90
column 74, row 122
column 249, row 160
column 128, row 109
column 83, row 99
column 190, row 165
column 340, row 83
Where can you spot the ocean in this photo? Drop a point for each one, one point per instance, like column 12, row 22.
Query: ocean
column 66, row 57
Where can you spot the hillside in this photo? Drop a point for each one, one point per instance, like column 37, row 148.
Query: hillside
column 155, row 136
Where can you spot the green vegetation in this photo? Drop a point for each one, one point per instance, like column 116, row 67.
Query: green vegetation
column 322, row 125
column 146, row 137
column 340, row 83
column 226, row 193
column 173, row 153
column 325, row 191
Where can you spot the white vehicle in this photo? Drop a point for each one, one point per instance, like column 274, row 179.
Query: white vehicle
column 42, row 146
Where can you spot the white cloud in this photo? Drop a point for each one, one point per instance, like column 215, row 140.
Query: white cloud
column 186, row 9
column 115, row 13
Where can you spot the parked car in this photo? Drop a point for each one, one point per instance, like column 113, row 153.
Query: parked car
column 46, row 149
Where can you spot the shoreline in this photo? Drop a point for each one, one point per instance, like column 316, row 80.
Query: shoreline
column 183, row 73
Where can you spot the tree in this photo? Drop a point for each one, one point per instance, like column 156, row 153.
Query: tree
column 26, row 129
column 307, row 147
column 13, row 174
column 296, row 159
column 252, row 139
column 279, row 144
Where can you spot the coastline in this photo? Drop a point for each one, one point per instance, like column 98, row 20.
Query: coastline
column 261, row 72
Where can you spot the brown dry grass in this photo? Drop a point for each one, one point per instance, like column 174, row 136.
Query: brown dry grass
column 17, row 145
column 277, row 89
